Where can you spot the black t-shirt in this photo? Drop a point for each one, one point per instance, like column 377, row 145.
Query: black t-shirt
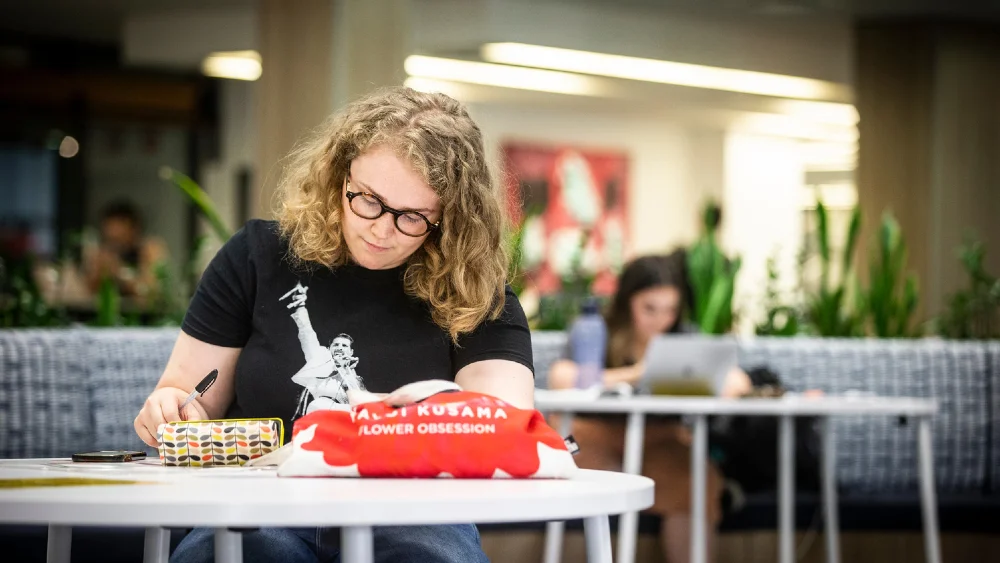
column 310, row 335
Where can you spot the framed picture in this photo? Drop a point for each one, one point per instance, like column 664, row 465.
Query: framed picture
column 572, row 204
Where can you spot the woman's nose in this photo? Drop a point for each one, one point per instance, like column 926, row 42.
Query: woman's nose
column 383, row 226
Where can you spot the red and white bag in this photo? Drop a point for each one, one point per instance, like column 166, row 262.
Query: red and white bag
column 451, row 434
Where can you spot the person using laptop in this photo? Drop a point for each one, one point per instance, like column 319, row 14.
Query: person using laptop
column 649, row 302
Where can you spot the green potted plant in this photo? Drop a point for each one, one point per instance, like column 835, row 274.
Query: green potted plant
column 780, row 318
column 973, row 313
column 22, row 304
column 829, row 308
column 712, row 276
column 892, row 293
column 557, row 311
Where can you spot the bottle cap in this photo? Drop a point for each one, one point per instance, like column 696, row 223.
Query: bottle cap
column 591, row 306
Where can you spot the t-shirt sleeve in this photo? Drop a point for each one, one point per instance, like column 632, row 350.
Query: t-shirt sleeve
column 221, row 311
column 506, row 338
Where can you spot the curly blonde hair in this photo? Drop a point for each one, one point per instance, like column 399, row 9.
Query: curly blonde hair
column 460, row 270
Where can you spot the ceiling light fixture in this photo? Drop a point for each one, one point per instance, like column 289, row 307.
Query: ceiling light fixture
column 501, row 75
column 665, row 72
column 794, row 128
column 453, row 89
column 237, row 65
column 831, row 113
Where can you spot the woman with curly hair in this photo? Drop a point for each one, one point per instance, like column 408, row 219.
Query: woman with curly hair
column 386, row 266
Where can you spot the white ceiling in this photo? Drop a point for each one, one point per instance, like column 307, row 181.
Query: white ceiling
column 859, row 8
column 811, row 47
column 102, row 20
column 797, row 37
column 90, row 20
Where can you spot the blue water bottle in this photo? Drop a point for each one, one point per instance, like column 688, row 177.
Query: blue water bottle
column 588, row 340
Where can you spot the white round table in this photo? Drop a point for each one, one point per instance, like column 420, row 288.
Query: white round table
column 224, row 498
column 785, row 409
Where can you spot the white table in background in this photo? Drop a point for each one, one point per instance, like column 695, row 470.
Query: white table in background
column 224, row 498
column 786, row 409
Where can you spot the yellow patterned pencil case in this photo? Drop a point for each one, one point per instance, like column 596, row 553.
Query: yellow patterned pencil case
column 207, row 443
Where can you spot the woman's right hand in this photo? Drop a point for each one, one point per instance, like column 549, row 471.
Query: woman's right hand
column 563, row 375
column 162, row 406
column 628, row 374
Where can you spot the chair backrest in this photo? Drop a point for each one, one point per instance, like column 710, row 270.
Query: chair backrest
column 124, row 366
column 880, row 453
column 69, row 390
column 994, row 450
column 547, row 347
column 45, row 406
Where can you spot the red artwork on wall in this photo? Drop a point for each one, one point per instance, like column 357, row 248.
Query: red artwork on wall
column 569, row 196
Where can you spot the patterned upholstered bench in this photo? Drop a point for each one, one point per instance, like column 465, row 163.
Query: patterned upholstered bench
column 76, row 389
column 69, row 390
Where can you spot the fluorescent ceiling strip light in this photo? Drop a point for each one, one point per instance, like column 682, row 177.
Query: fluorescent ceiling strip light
column 821, row 112
column 453, row 89
column 664, row 72
column 238, row 65
column 500, row 75
column 790, row 127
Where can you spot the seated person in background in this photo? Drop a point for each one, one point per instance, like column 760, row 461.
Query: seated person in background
column 648, row 302
column 123, row 254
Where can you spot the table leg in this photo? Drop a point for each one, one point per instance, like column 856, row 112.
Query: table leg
column 699, row 469
column 59, row 544
column 928, row 498
column 157, row 546
column 554, row 530
column 786, row 490
column 553, row 541
column 628, row 523
column 228, row 546
column 597, row 531
column 356, row 544
column 830, row 493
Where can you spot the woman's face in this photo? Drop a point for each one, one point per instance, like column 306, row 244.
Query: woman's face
column 655, row 310
column 377, row 244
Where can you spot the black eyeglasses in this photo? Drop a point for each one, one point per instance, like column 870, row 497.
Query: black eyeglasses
column 368, row 206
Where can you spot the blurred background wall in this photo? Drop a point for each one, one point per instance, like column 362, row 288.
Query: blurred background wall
column 899, row 109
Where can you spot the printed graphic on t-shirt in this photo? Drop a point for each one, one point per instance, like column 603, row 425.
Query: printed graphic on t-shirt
column 329, row 372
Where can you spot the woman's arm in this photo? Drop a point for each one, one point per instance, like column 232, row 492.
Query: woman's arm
column 504, row 379
column 190, row 361
column 629, row 374
column 563, row 374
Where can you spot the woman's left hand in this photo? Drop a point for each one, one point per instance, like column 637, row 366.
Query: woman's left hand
column 737, row 384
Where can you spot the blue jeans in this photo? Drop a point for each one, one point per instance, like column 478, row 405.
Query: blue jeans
column 458, row 543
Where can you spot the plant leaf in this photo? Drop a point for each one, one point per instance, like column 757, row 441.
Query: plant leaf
column 853, row 231
column 202, row 201
column 823, row 241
